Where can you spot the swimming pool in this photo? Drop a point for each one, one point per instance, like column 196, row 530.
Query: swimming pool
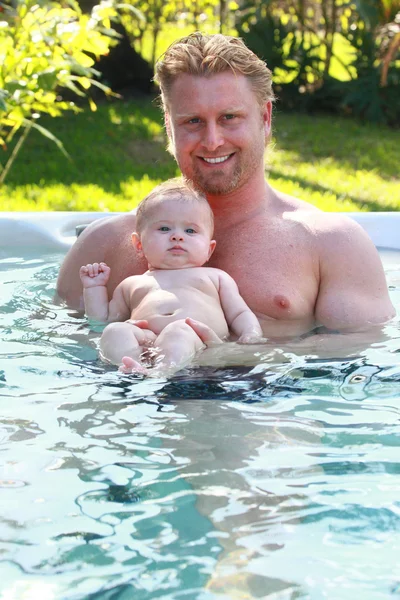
column 278, row 479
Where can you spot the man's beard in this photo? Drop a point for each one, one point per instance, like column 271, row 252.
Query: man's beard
column 219, row 183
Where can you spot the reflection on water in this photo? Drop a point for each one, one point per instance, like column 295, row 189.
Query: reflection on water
column 277, row 479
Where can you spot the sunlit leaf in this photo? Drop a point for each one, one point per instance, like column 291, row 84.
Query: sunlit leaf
column 92, row 104
column 44, row 46
column 47, row 134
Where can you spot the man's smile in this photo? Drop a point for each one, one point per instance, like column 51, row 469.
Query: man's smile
column 216, row 160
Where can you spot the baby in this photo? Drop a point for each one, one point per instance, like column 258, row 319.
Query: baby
column 174, row 228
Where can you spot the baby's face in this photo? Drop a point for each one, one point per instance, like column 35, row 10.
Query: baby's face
column 177, row 235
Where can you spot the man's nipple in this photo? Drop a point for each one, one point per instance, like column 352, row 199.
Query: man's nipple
column 282, row 302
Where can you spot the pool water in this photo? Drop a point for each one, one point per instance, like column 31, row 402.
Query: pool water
column 279, row 478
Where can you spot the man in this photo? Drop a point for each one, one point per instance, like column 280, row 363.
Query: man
column 296, row 267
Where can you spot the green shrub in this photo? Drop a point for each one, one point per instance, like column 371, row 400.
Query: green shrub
column 45, row 46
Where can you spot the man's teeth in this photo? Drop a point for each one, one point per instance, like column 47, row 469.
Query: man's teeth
column 214, row 161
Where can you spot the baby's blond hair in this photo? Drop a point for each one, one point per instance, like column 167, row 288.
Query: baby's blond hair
column 173, row 189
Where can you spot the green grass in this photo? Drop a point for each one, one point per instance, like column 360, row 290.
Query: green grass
column 336, row 163
column 118, row 155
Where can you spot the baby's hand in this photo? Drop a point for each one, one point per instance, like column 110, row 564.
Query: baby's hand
column 252, row 338
column 95, row 274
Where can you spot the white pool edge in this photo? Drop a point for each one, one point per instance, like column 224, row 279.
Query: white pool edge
column 56, row 230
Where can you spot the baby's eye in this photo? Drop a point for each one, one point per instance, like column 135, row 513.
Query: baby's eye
column 163, row 228
column 190, row 230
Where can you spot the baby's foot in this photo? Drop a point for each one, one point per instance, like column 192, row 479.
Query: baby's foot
column 129, row 365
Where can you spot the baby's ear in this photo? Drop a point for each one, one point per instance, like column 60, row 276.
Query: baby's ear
column 137, row 244
column 213, row 243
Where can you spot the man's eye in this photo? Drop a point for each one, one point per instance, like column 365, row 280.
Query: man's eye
column 229, row 117
column 194, row 121
column 190, row 230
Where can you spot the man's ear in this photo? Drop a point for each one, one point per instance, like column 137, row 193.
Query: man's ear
column 170, row 147
column 167, row 124
column 267, row 117
column 137, row 244
column 213, row 243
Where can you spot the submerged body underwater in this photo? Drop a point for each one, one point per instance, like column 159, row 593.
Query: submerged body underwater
column 274, row 476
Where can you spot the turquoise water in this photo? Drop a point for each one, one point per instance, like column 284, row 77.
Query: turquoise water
column 278, row 480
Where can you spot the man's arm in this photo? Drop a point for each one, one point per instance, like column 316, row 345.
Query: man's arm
column 353, row 293
column 105, row 240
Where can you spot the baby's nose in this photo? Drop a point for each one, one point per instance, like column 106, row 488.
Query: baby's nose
column 177, row 236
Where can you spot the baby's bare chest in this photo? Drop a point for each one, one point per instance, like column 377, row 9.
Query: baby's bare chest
column 171, row 287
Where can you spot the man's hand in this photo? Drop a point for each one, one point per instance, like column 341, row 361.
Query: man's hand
column 143, row 334
column 205, row 333
column 93, row 275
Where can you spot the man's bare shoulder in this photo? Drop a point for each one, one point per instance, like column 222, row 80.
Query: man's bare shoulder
column 330, row 228
column 296, row 211
column 329, row 235
column 104, row 240
column 317, row 222
column 109, row 226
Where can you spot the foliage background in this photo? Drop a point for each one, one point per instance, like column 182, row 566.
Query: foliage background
column 336, row 73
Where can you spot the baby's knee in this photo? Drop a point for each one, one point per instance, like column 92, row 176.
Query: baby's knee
column 177, row 327
column 113, row 334
column 114, row 329
column 118, row 340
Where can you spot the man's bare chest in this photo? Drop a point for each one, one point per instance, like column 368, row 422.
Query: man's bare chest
column 277, row 274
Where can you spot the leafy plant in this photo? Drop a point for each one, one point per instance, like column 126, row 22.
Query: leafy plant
column 298, row 42
column 374, row 32
column 45, row 46
column 190, row 15
column 289, row 38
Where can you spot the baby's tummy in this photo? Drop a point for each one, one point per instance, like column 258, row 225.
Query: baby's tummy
column 160, row 314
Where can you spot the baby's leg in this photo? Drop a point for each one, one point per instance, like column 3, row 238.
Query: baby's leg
column 176, row 346
column 124, row 339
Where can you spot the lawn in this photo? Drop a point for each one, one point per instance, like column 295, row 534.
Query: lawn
column 118, row 154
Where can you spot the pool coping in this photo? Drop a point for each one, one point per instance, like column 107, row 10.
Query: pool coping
column 57, row 230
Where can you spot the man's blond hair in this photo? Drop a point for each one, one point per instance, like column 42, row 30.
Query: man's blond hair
column 206, row 55
column 173, row 189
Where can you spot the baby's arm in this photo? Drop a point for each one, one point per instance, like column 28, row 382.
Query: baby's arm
column 94, row 278
column 241, row 320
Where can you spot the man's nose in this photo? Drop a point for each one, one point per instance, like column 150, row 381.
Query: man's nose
column 213, row 138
